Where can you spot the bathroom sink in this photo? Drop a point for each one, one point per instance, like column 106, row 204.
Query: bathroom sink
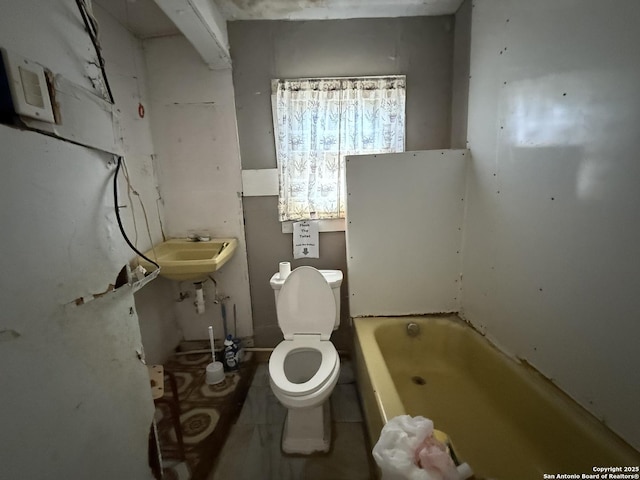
column 185, row 259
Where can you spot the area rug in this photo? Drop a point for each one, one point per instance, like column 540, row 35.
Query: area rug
column 207, row 413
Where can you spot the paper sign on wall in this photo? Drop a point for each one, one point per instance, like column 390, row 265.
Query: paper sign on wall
column 305, row 240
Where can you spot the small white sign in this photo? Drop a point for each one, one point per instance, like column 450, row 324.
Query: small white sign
column 305, row 240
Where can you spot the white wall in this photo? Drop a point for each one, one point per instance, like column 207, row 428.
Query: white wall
column 195, row 134
column 75, row 398
column 552, row 249
column 404, row 232
column 127, row 75
column 460, row 78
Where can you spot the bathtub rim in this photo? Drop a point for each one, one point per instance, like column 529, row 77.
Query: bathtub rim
column 380, row 378
column 392, row 406
column 381, row 381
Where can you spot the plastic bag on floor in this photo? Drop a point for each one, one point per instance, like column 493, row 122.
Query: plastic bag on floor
column 408, row 450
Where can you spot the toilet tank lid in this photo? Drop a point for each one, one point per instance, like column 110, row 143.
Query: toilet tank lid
column 333, row 278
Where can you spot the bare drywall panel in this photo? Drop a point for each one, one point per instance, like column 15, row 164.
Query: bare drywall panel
column 421, row 48
column 552, row 248
column 195, row 134
column 460, row 90
column 73, row 386
column 404, row 232
column 127, row 75
column 75, row 396
column 61, row 44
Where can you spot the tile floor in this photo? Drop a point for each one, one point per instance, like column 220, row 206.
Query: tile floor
column 252, row 450
column 207, row 413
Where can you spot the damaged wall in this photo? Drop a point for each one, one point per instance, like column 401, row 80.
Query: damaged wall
column 195, row 135
column 74, row 395
column 75, row 398
column 125, row 65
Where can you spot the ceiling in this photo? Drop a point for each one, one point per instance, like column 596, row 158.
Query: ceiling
column 332, row 9
column 145, row 19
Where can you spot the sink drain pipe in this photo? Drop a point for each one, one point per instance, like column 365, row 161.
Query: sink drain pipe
column 199, row 303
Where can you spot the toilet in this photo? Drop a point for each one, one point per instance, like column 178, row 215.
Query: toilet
column 304, row 367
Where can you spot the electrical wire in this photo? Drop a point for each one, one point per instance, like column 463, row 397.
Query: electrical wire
column 91, row 25
column 129, row 190
column 159, row 195
column 146, row 221
column 117, row 207
column 164, row 238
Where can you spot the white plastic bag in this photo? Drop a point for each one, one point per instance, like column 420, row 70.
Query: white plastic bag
column 407, row 450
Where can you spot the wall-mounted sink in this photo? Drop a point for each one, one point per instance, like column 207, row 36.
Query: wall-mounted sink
column 184, row 259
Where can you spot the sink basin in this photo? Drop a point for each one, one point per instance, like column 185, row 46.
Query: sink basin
column 184, row 259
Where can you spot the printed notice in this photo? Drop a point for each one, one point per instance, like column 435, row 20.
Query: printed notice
column 305, row 240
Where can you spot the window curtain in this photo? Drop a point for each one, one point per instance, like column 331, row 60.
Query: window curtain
column 320, row 121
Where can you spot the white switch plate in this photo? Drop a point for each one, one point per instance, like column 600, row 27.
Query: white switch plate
column 28, row 86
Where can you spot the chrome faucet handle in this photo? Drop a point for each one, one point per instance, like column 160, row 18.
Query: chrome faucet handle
column 196, row 237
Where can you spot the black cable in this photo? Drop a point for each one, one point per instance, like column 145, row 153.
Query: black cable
column 115, row 199
column 87, row 19
column 93, row 35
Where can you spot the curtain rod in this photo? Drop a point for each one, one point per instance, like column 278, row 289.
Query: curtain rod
column 276, row 81
column 365, row 77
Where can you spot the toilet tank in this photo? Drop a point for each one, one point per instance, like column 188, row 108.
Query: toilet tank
column 333, row 278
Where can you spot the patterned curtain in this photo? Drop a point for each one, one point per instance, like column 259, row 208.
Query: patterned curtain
column 319, row 122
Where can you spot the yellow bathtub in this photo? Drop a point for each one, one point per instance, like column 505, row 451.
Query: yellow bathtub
column 503, row 418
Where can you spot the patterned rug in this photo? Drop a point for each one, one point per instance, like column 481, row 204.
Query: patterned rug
column 207, row 414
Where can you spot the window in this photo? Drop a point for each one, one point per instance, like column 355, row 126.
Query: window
column 317, row 122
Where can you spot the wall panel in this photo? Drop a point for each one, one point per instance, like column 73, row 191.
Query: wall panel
column 552, row 245
column 404, row 232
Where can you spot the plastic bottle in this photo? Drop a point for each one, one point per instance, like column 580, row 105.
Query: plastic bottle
column 230, row 354
column 239, row 350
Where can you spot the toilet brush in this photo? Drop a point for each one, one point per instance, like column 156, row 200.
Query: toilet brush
column 213, row 351
column 215, row 370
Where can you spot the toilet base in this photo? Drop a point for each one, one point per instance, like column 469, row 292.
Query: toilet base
column 307, row 430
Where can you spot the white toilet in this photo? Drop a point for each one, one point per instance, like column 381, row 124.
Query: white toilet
column 304, row 368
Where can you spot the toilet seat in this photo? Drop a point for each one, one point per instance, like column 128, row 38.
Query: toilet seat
column 303, row 342
column 306, row 304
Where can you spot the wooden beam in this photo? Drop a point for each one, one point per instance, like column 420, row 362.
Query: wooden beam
column 203, row 25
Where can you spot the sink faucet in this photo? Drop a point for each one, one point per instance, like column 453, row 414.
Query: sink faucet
column 196, row 237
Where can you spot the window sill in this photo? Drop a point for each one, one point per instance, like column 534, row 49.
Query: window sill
column 334, row 225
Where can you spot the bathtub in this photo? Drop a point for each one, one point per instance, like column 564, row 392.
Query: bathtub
column 502, row 417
